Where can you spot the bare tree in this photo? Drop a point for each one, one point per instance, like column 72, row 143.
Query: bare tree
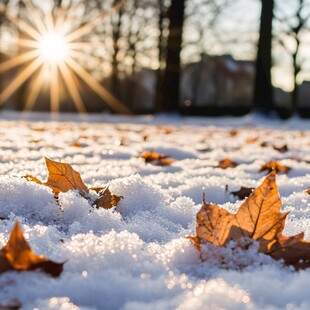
column 294, row 26
column 263, row 89
column 4, row 4
column 171, row 80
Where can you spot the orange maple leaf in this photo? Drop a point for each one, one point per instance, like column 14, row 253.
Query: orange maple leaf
column 156, row 158
column 61, row 178
column 227, row 163
column 274, row 165
column 107, row 200
column 17, row 255
column 258, row 218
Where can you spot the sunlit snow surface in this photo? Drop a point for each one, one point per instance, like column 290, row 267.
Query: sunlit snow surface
column 137, row 256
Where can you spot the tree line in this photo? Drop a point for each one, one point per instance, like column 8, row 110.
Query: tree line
column 151, row 34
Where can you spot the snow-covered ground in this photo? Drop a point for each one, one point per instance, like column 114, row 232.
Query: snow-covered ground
column 137, row 256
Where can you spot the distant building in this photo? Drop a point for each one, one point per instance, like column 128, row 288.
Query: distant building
column 218, row 81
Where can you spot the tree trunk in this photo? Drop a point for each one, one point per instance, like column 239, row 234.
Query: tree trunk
column 171, row 79
column 21, row 93
column 115, row 70
column 161, row 53
column 297, row 69
column 263, row 90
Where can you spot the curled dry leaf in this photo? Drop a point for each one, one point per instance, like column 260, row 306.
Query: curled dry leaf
column 75, row 144
column 233, row 132
column 106, row 200
column 308, row 191
column 166, row 130
column 156, row 158
column 243, row 192
column 258, row 218
column 61, row 178
column 17, row 255
column 251, row 140
column 282, row 149
column 227, row 163
column 274, row 165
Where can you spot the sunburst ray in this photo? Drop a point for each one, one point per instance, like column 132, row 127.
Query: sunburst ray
column 36, row 87
column 54, row 91
column 44, row 33
column 20, row 79
column 113, row 102
column 80, row 32
column 72, row 88
column 35, row 18
column 18, row 60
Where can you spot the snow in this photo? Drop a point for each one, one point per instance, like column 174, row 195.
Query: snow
column 136, row 256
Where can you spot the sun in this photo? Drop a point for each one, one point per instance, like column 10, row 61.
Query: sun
column 53, row 48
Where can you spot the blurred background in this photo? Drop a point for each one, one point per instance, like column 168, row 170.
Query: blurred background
column 195, row 57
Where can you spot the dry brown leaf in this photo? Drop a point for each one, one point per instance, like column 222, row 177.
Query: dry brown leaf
column 233, row 132
column 226, row 163
column 97, row 189
column 258, row 218
column 308, row 191
column 75, row 144
column 251, row 140
column 166, row 130
column 62, row 178
column 243, row 192
column 39, row 129
column 282, row 149
column 17, row 255
column 274, row 165
column 156, row 158
column 33, row 179
column 107, row 200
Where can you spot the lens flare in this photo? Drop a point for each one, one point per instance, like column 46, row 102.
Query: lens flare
column 51, row 46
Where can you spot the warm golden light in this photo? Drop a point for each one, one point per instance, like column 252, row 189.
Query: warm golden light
column 53, row 48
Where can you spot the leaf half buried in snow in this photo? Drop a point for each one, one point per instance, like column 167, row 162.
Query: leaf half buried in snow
column 17, row 255
column 106, row 200
column 258, row 218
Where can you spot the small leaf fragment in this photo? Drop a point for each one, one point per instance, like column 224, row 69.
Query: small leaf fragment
column 107, row 200
column 251, row 140
column 33, row 179
column 243, row 192
column 274, row 165
column 75, row 144
column 156, row 158
column 282, row 149
column 17, row 255
column 233, row 132
column 226, row 163
column 97, row 189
